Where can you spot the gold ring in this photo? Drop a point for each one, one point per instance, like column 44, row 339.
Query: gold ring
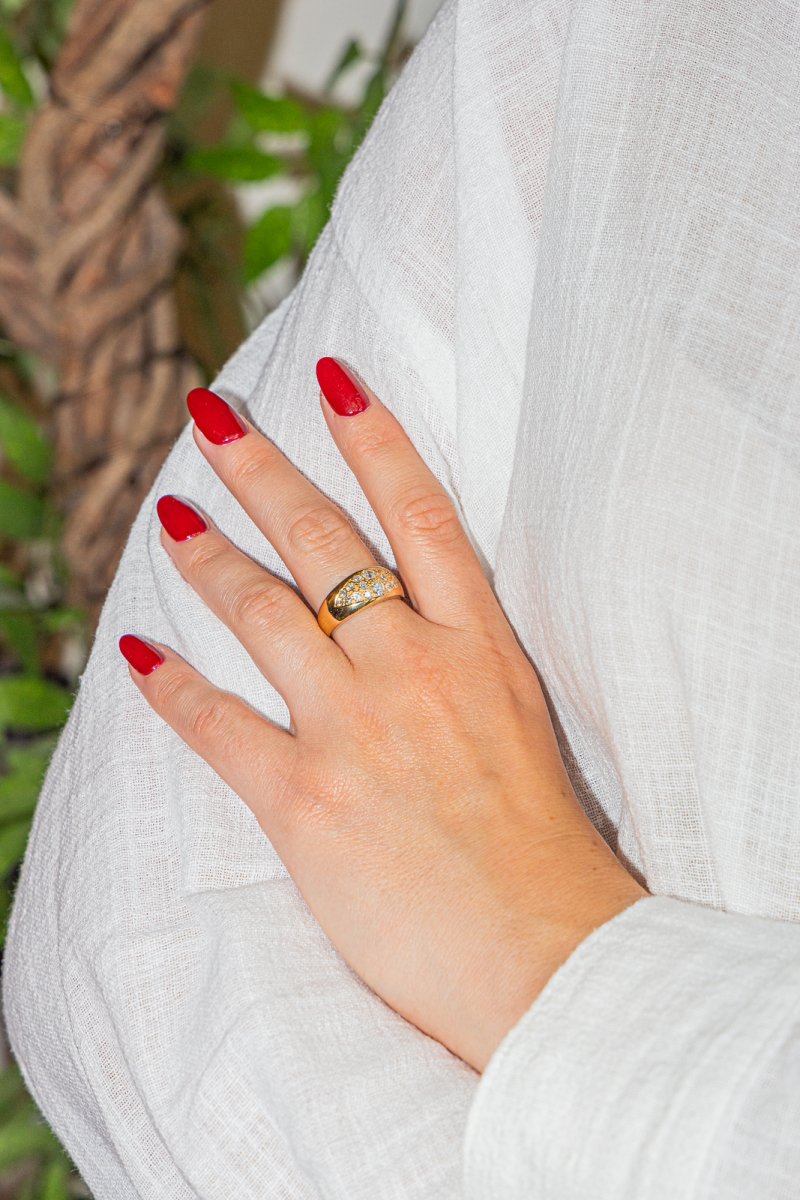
column 368, row 586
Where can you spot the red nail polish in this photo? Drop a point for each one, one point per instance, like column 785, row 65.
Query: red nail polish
column 339, row 388
column 214, row 417
column 180, row 520
column 143, row 657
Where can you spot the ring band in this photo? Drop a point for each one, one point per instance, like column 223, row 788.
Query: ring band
column 368, row 586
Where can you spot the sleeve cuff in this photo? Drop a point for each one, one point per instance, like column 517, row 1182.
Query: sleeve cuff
column 618, row 1081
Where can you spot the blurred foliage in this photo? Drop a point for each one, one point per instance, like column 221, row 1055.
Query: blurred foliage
column 293, row 143
column 306, row 141
column 26, row 1142
column 42, row 643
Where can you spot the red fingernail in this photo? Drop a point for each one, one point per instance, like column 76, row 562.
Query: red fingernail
column 214, row 417
column 143, row 657
column 340, row 390
column 180, row 520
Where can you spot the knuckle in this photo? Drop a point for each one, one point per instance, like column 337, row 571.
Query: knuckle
column 200, row 718
column 246, row 470
column 428, row 517
column 205, row 555
column 319, row 529
column 169, row 687
column 257, row 605
column 373, row 443
column 207, row 721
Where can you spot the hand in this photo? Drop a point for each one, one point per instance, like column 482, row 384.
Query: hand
column 419, row 800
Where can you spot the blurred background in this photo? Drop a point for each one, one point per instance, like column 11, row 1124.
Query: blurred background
column 166, row 167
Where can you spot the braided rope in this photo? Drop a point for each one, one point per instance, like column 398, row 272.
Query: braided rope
column 87, row 255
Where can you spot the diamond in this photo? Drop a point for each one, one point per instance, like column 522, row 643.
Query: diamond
column 368, row 584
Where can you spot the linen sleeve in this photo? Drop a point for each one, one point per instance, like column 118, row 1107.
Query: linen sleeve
column 181, row 1019
column 661, row 1062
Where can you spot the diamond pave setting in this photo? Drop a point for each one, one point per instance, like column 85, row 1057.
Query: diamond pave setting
column 373, row 583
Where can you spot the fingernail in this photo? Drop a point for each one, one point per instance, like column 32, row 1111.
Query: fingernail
column 340, row 390
column 143, row 657
column 180, row 520
column 214, row 417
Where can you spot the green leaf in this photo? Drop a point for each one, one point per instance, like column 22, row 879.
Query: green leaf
column 21, row 513
column 19, row 631
column 267, row 241
column 60, row 620
column 235, row 164
column 13, row 840
column 56, row 1181
column 28, row 703
column 329, row 149
column 46, row 29
column 24, row 443
column 268, row 114
column 10, row 582
column 21, row 1139
column 394, row 32
column 5, row 911
column 12, row 135
column 10, row 1088
column 373, row 98
column 353, row 53
column 326, row 128
column 199, row 92
column 15, row 1101
column 309, row 217
column 20, row 786
column 13, row 80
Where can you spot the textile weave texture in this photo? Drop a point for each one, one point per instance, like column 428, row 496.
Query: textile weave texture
column 567, row 256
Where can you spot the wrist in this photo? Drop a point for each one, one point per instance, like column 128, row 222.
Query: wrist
column 579, row 903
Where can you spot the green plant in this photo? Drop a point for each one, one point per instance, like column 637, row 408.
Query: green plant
column 35, row 691
column 42, row 643
column 309, row 140
column 26, row 1142
column 39, row 637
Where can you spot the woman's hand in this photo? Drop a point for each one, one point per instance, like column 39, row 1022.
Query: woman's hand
column 419, row 800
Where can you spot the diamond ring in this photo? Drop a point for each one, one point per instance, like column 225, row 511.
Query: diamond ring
column 368, row 586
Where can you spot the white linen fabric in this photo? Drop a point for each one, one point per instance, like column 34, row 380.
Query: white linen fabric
column 567, row 257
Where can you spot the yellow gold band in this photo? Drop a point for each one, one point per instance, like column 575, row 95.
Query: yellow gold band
column 370, row 585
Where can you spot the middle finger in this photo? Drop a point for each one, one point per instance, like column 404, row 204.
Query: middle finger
column 312, row 535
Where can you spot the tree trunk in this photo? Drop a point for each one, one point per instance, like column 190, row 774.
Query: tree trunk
column 87, row 255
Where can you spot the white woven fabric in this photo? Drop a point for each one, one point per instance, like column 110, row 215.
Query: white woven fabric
column 568, row 258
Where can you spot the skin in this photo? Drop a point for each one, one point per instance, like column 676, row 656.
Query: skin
column 418, row 800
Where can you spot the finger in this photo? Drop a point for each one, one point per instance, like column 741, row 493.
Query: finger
column 313, row 536
column 439, row 567
column 278, row 630
column 256, row 758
